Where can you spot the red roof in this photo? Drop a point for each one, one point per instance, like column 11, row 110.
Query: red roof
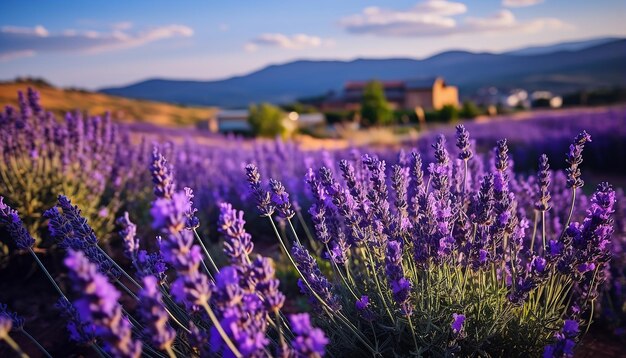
column 362, row 84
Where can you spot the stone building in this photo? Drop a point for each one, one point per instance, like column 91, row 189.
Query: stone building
column 428, row 94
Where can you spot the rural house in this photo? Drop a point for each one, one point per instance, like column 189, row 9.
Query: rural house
column 429, row 94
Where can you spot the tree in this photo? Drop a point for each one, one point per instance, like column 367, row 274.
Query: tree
column 469, row 110
column 266, row 120
column 449, row 113
column 374, row 106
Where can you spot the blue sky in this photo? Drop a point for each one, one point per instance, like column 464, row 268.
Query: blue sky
column 96, row 43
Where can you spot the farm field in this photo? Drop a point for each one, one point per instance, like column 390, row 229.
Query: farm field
column 439, row 234
column 263, row 179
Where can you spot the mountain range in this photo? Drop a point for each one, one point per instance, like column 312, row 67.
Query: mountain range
column 560, row 68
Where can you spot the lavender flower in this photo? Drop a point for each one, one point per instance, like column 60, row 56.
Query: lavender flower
column 463, row 142
column 441, row 153
column 416, row 184
column 378, row 194
column 263, row 197
column 313, row 275
column 151, row 264
column 243, row 316
column 481, row 212
column 318, row 208
column 98, row 304
column 439, row 171
column 574, row 159
column 80, row 331
column 502, row 156
column 192, row 220
column 71, row 231
column 267, row 284
column 170, row 215
column 237, row 242
column 400, row 285
column 363, row 308
column 591, row 240
column 543, row 203
column 355, row 188
column 162, row 177
column 280, row 198
column 399, row 183
column 457, row 323
column 565, row 341
column 308, row 341
column 18, row 321
column 78, row 225
column 154, row 315
column 17, row 231
column 128, row 233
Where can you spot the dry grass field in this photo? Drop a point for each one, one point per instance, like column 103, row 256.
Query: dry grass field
column 60, row 101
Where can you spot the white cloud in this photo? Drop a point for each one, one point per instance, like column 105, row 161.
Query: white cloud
column 38, row 31
column 504, row 20
column 23, row 40
column 293, row 42
column 9, row 56
column 431, row 17
column 520, row 3
column 438, row 18
column 122, row 26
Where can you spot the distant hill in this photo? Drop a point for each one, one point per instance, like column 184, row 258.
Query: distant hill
column 563, row 46
column 60, row 101
column 559, row 70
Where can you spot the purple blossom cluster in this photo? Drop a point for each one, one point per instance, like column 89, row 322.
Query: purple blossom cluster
column 86, row 156
column 394, row 235
column 98, row 305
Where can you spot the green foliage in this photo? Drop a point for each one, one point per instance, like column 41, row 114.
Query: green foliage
column 299, row 107
column 375, row 109
column 469, row 110
column 449, row 113
column 266, row 120
column 32, row 187
column 333, row 117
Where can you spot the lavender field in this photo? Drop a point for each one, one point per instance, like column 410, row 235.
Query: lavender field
column 499, row 238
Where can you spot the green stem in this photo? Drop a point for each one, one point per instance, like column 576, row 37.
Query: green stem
column 220, row 330
column 412, row 332
column 206, row 252
column 532, row 241
column 43, row 268
column 327, row 307
column 170, row 352
column 380, row 292
column 543, row 230
column 571, row 212
column 293, row 230
column 32, row 339
column 341, row 275
column 119, row 267
column 127, row 290
column 14, row 346
column 99, row 351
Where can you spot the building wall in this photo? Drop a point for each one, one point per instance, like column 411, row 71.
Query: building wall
column 444, row 95
column 419, row 98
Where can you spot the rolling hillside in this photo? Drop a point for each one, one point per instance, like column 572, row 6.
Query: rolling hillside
column 60, row 101
column 560, row 71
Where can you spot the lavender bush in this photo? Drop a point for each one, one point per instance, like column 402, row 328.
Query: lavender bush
column 460, row 257
column 79, row 156
column 450, row 262
column 232, row 311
